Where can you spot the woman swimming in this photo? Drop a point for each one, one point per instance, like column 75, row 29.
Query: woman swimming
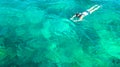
column 80, row 16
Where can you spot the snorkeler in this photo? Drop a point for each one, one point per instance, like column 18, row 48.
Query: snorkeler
column 80, row 16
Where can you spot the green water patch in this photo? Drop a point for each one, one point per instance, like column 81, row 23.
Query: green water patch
column 34, row 15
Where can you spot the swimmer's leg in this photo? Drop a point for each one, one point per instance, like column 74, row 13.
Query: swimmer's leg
column 95, row 9
column 92, row 8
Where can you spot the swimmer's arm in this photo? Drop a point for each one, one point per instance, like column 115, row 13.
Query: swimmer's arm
column 80, row 19
column 76, row 20
column 73, row 17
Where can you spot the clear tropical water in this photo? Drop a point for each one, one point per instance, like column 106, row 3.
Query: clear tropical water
column 38, row 33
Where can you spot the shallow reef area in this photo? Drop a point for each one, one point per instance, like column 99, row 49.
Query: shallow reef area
column 39, row 33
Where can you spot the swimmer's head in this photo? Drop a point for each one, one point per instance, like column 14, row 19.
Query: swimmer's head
column 78, row 14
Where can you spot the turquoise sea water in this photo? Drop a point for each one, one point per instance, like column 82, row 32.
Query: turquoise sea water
column 38, row 33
